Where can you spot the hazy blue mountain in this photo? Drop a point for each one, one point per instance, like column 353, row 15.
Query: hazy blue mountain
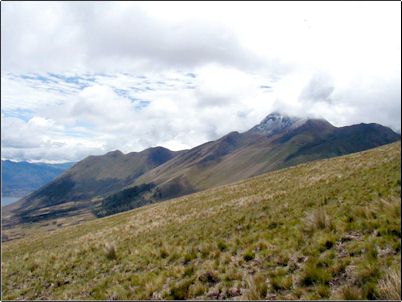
column 22, row 178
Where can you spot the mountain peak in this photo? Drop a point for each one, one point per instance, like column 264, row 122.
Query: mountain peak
column 276, row 122
column 114, row 153
column 276, row 114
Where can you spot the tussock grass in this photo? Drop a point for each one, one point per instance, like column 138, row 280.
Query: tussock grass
column 110, row 251
column 389, row 287
column 316, row 220
column 314, row 274
column 348, row 292
column 324, row 230
column 248, row 256
column 281, row 282
column 257, row 287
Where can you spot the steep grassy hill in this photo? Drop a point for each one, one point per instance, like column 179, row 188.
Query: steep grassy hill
column 325, row 229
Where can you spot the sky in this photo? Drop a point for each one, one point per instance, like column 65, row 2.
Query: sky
column 86, row 78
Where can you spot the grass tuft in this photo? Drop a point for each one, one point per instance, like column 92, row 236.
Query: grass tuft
column 257, row 287
column 349, row 292
column 222, row 246
column 317, row 220
column 180, row 290
column 389, row 287
column 279, row 283
column 314, row 275
column 209, row 277
column 110, row 251
column 248, row 256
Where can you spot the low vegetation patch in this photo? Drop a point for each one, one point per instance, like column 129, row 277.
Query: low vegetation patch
column 125, row 200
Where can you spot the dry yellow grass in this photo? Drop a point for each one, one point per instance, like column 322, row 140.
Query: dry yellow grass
column 389, row 287
column 306, row 232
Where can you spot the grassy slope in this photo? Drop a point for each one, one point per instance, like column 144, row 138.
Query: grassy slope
column 326, row 229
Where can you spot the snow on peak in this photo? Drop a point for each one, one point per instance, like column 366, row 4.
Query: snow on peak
column 277, row 122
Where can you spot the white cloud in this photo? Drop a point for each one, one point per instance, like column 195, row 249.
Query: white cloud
column 101, row 105
column 82, row 78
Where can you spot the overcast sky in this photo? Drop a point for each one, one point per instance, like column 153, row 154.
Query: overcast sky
column 82, row 78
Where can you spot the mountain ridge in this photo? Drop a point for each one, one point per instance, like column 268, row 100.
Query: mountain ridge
column 283, row 142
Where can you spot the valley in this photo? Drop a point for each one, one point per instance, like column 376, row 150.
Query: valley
column 22, row 178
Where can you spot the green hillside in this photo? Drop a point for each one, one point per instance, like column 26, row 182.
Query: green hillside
column 329, row 229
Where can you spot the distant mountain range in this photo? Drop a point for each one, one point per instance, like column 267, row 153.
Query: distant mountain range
column 117, row 182
column 21, row 178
